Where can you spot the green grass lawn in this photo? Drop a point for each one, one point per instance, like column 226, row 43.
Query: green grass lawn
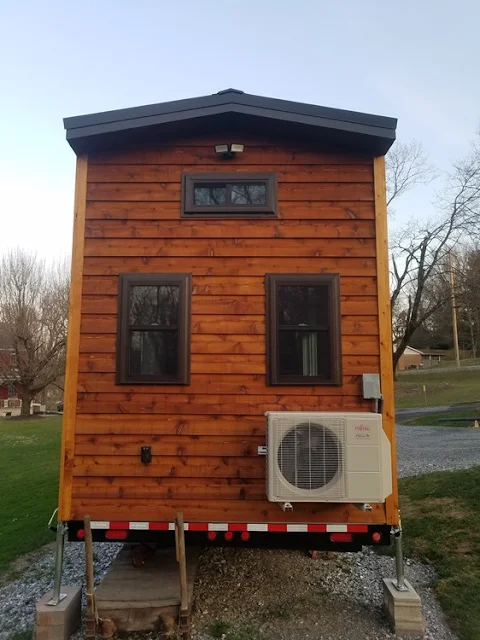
column 29, row 463
column 434, row 419
column 442, row 388
column 441, row 521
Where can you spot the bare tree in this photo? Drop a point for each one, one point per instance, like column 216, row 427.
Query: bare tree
column 468, row 296
column 437, row 330
column 33, row 322
column 407, row 166
column 420, row 251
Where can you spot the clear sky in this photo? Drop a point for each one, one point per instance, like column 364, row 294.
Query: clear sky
column 417, row 60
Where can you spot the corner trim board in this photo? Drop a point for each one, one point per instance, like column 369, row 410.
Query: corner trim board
column 73, row 343
column 385, row 327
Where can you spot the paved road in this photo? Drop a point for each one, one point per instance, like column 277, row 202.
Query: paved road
column 408, row 414
column 425, row 449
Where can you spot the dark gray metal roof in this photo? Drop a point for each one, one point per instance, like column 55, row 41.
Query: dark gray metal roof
column 231, row 110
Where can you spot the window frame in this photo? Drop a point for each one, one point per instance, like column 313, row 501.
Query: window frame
column 272, row 282
column 125, row 283
column 190, row 210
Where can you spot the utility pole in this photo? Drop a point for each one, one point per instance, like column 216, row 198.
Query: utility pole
column 454, row 311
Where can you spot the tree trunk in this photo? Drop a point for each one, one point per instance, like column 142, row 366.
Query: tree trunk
column 398, row 352
column 27, row 398
column 473, row 340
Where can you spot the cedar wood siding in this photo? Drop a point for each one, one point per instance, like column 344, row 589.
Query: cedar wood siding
column 204, row 436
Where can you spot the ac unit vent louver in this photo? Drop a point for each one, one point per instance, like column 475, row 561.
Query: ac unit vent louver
column 310, row 455
column 327, row 457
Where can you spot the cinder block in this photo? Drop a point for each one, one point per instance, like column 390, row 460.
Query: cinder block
column 60, row 621
column 56, row 632
column 403, row 609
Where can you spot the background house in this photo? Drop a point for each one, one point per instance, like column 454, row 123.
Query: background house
column 9, row 388
column 431, row 357
column 410, row 359
column 10, row 402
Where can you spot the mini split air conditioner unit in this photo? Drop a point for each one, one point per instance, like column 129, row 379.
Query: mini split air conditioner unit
column 327, row 457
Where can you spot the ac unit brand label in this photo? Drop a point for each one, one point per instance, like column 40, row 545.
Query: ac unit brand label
column 362, row 432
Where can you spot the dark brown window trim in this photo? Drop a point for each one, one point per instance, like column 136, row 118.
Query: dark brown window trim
column 272, row 281
column 126, row 280
column 190, row 210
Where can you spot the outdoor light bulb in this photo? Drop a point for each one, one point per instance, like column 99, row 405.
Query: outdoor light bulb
column 236, row 148
column 221, row 148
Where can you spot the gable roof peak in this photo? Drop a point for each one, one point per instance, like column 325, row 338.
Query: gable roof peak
column 224, row 91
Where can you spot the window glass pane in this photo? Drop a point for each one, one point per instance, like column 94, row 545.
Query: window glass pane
column 304, row 353
column 254, row 194
column 154, row 305
column 210, row 195
column 303, row 305
column 153, row 353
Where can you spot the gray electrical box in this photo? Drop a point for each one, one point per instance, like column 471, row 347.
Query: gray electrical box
column 371, row 386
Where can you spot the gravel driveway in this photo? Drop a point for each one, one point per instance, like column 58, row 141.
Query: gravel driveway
column 284, row 595
column 424, row 449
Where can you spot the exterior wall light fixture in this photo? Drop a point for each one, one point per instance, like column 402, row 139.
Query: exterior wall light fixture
column 228, row 151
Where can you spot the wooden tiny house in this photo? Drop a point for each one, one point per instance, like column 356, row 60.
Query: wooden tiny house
column 229, row 259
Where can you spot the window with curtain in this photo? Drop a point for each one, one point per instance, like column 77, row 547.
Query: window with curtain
column 303, row 325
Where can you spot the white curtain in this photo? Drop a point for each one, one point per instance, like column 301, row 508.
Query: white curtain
column 310, row 354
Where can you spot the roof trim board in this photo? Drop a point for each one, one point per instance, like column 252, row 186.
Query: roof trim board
column 231, row 109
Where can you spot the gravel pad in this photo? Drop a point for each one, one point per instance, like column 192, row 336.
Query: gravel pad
column 285, row 595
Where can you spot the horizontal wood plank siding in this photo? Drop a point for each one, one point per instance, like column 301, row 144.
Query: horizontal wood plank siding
column 227, row 247
column 304, row 210
column 215, row 510
column 204, row 436
column 315, row 173
column 212, row 229
column 232, row 266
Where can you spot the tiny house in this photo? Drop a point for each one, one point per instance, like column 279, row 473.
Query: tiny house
column 229, row 351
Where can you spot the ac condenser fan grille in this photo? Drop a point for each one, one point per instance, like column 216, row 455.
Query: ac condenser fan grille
column 309, row 456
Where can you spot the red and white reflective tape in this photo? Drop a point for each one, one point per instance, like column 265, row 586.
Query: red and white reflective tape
column 232, row 526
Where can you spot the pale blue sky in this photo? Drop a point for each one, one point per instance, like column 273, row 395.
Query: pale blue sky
column 417, row 60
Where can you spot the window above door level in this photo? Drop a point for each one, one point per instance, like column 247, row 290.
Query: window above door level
column 229, row 195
